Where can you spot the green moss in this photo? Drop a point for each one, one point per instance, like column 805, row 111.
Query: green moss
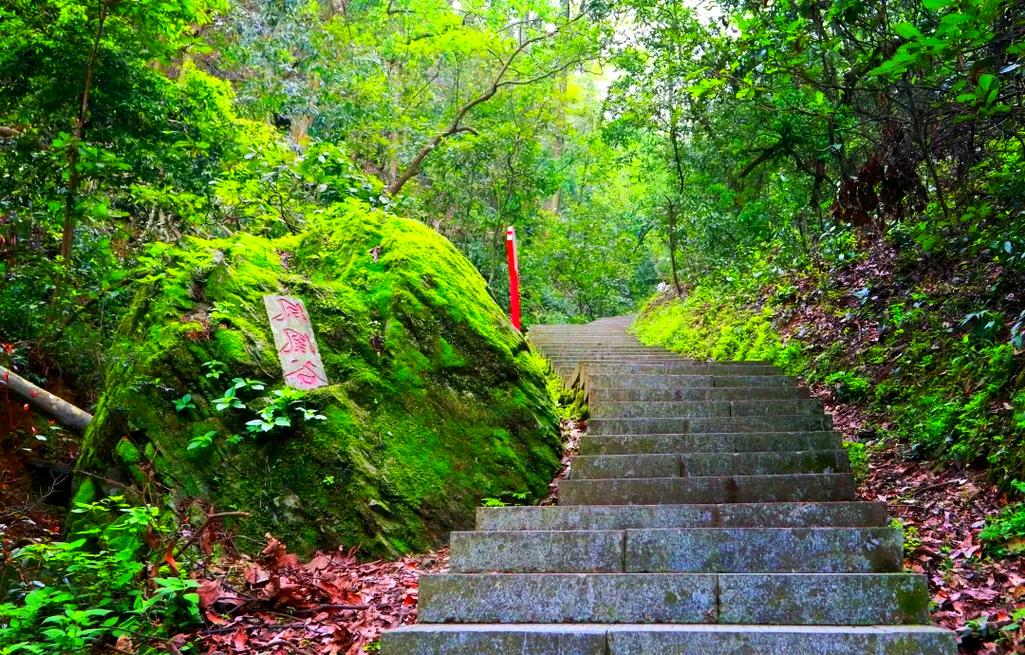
column 913, row 603
column 435, row 401
column 86, row 492
column 127, row 453
column 704, row 325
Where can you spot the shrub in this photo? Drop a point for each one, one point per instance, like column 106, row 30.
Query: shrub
column 848, row 386
column 113, row 580
column 1004, row 534
column 857, row 453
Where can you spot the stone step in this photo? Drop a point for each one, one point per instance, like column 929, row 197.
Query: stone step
column 818, row 487
column 576, row 341
column 792, row 640
column 617, row 358
column 623, row 353
column 677, row 425
column 604, row 639
column 758, row 550
column 677, row 368
column 712, row 442
column 704, row 550
column 737, row 598
column 604, row 395
column 624, row 347
column 704, row 408
column 675, row 381
column 591, row 334
column 667, row 465
column 853, row 514
column 650, row 364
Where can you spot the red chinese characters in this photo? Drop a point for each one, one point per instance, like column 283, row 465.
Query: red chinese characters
column 306, row 376
column 296, row 345
column 290, row 309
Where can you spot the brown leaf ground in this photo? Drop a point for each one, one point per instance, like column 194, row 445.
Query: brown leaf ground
column 942, row 509
column 331, row 605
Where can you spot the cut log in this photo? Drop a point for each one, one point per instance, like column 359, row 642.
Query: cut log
column 60, row 410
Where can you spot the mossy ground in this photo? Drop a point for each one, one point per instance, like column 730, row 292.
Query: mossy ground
column 435, row 401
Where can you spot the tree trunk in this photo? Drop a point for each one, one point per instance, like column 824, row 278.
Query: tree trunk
column 75, row 178
column 671, row 221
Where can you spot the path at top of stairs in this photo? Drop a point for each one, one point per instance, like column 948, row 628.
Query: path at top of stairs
column 711, row 510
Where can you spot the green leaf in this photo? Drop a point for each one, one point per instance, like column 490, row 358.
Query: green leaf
column 936, row 5
column 907, row 31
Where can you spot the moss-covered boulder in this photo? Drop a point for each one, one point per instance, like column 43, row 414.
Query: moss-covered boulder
column 434, row 401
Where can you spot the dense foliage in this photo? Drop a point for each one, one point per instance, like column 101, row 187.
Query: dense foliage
column 833, row 185
column 845, row 169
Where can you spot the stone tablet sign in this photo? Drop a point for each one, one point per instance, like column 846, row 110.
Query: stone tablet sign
column 293, row 337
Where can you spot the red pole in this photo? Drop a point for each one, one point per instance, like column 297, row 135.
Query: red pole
column 514, row 277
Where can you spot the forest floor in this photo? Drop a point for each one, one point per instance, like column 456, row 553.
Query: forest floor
column 941, row 510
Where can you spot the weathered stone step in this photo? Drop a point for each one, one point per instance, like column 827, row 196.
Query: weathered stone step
column 738, row 598
column 712, row 442
column 675, row 381
column 677, row 368
column 573, row 348
column 667, row 465
column 706, row 493
column 592, row 333
column 791, row 640
column 704, row 408
column 491, row 639
column 618, row 358
column 756, row 550
column 566, row 353
column 604, row 395
column 649, row 364
column 852, row 514
column 603, row 639
column 676, row 425
column 575, row 341
column 704, row 550
column 818, row 487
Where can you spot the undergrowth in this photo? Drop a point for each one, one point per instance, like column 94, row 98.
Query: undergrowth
column 115, row 582
column 934, row 359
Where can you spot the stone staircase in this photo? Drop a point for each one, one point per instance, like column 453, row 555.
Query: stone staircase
column 711, row 510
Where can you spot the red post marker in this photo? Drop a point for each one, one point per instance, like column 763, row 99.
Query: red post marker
column 514, row 277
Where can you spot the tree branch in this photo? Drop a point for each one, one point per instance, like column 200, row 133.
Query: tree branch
column 498, row 82
column 766, row 155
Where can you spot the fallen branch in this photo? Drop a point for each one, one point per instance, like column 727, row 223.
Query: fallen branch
column 199, row 533
column 60, row 410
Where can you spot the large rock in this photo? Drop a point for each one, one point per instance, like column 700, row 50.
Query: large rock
column 434, row 401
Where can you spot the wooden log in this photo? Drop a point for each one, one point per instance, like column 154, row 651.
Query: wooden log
column 60, row 410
